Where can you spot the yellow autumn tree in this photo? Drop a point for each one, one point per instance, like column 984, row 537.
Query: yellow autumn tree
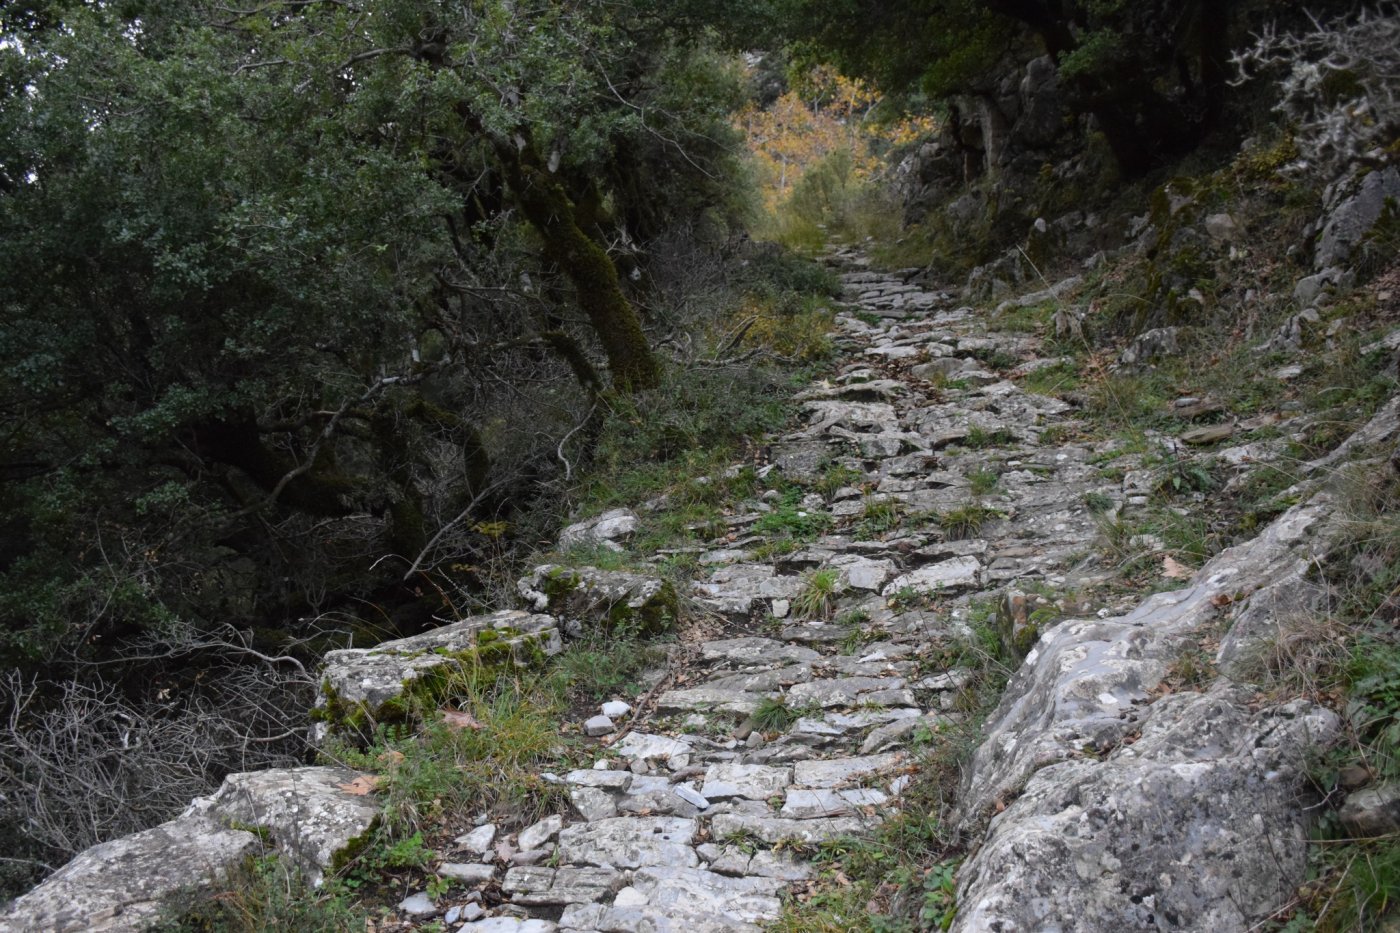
column 817, row 142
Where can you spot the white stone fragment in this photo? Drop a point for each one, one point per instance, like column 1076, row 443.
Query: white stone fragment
column 598, row 725
column 536, row 835
column 478, row 841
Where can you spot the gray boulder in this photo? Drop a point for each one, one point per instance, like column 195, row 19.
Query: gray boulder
column 1150, row 345
column 1359, row 205
column 606, row 530
column 1198, row 825
column 1082, row 762
column 308, row 813
column 119, row 886
column 1374, row 811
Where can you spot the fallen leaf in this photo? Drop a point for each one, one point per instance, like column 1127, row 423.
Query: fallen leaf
column 1175, row 570
column 458, row 719
column 392, row 757
column 362, row 785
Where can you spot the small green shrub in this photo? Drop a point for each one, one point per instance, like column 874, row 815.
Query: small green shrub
column 1098, row 502
column 1184, row 475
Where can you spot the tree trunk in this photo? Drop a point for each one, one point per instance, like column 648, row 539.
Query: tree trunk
column 547, row 207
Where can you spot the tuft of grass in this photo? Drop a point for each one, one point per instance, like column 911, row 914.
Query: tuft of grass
column 790, row 519
column 1052, row 380
column 967, row 520
column 264, row 895
column 983, row 481
column 836, row 476
column 603, row 665
column 773, row 715
column 795, row 327
column 817, row 600
column 879, row 516
column 1183, row 475
column 444, row 767
column 1023, row 319
column 979, row 438
column 1098, row 502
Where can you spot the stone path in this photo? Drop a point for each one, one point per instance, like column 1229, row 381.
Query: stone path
column 685, row 826
column 798, row 716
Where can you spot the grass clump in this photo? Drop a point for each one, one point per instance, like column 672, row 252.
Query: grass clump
column 483, row 750
column 983, row 481
column 790, row 519
column 878, row 517
column 774, row 715
column 604, row 665
column 967, row 520
column 264, row 895
column 836, row 476
column 979, row 438
column 817, row 599
column 1062, row 377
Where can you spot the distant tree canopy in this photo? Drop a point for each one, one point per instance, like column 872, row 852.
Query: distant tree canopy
column 1152, row 72
column 274, row 275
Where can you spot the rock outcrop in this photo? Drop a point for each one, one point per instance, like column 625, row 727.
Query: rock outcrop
column 310, row 815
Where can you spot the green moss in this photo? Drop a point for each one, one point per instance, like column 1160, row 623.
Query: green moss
column 656, row 615
column 497, row 653
column 354, row 848
column 262, row 832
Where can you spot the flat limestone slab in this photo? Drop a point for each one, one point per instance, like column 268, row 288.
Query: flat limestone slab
column 755, row 650
column 834, row 771
column 841, row 691
column 804, row 804
column 538, row 884
column 957, row 574
column 752, row 782
column 630, row 842
column 774, row 829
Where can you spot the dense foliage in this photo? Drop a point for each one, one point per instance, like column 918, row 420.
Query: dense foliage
column 279, row 281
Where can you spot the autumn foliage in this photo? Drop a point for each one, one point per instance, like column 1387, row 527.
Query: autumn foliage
column 824, row 123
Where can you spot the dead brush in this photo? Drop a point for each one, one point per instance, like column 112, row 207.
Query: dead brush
column 1306, row 658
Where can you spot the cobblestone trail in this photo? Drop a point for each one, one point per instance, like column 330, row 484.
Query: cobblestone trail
column 684, row 829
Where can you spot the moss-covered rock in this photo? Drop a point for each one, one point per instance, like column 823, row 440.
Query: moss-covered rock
column 586, row 597
column 391, row 681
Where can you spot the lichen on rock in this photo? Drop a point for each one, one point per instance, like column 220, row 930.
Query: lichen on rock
column 386, row 683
